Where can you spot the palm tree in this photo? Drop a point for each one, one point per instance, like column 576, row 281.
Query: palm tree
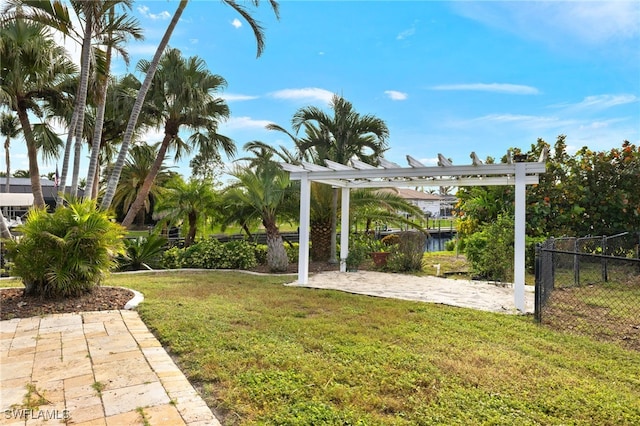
column 119, row 102
column 139, row 164
column 344, row 135
column 95, row 19
column 182, row 94
column 153, row 65
column 117, row 29
column 263, row 191
column 32, row 67
column 186, row 200
column 9, row 128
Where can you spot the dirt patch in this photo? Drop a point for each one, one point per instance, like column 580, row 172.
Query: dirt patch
column 574, row 310
column 14, row 304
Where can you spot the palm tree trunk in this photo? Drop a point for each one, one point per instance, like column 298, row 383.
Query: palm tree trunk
column 277, row 260
column 90, row 191
column 7, row 159
column 143, row 193
column 112, row 183
column 32, row 154
column 77, row 119
column 193, row 223
column 320, row 235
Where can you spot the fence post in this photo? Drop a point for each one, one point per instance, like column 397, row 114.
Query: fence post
column 537, row 311
column 605, row 274
column 576, row 263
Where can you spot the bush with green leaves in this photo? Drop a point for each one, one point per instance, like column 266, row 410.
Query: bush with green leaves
column 261, row 253
column 408, row 253
column 65, row 253
column 490, row 251
column 142, row 253
column 212, row 254
column 172, row 258
column 293, row 252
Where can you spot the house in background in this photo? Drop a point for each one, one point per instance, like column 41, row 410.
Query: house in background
column 19, row 199
column 432, row 205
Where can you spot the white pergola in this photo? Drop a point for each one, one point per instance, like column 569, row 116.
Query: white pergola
column 391, row 175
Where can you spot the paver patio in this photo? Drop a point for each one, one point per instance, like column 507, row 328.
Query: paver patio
column 93, row 368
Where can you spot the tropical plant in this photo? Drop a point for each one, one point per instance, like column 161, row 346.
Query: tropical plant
column 10, row 129
column 182, row 94
column 407, row 255
column 189, row 202
column 138, row 166
column 33, row 68
column 85, row 22
column 141, row 253
column 212, row 254
column 114, row 176
column 339, row 137
column 264, row 192
column 65, row 253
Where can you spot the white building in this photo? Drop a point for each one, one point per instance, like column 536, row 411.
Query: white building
column 432, row 205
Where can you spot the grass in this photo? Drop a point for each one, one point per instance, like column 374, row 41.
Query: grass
column 262, row 353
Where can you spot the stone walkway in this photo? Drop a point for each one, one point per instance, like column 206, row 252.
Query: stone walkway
column 94, row 368
column 482, row 295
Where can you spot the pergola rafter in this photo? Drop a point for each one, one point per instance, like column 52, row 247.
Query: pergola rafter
column 391, row 175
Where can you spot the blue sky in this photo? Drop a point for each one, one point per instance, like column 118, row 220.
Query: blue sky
column 446, row 77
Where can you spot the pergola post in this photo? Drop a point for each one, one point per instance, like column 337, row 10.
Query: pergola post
column 519, row 229
column 305, row 213
column 344, row 229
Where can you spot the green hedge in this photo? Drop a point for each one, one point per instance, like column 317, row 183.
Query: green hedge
column 212, row 254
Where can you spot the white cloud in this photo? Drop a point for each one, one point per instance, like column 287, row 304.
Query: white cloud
column 514, row 89
column 152, row 136
column 395, row 95
column 236, row 23
column 433, row 161
column 146, row 12
column 307, row 93
column 142, row 49
column 607, row 101
column 230, row 97
column 406, row 33
column 239, row 123
column 528, row 120
column 587, row 22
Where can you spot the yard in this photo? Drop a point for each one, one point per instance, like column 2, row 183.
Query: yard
column 262, row 353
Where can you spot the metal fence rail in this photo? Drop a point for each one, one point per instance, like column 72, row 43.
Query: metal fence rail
column 590, row 285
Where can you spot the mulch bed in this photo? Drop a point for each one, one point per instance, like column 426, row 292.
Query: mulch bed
column 14, row 304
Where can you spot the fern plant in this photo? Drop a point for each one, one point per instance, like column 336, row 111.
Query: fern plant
column 65, row 253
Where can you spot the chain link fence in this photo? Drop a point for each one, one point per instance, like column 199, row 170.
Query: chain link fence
column 591, row 286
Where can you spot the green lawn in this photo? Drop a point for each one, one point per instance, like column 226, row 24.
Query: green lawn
column 262, row 353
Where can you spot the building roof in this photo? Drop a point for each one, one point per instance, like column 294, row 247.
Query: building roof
column 412, row 194
column 15, row 200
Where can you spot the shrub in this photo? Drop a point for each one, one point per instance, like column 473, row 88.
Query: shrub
column 391, row 240
column 293, row 252
column 451, row 244
column 65, row 253
column 141, row 253
column 490, row 251
column 408, row 255
column 212, row 254
column 260, row 251
column 172, row 258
